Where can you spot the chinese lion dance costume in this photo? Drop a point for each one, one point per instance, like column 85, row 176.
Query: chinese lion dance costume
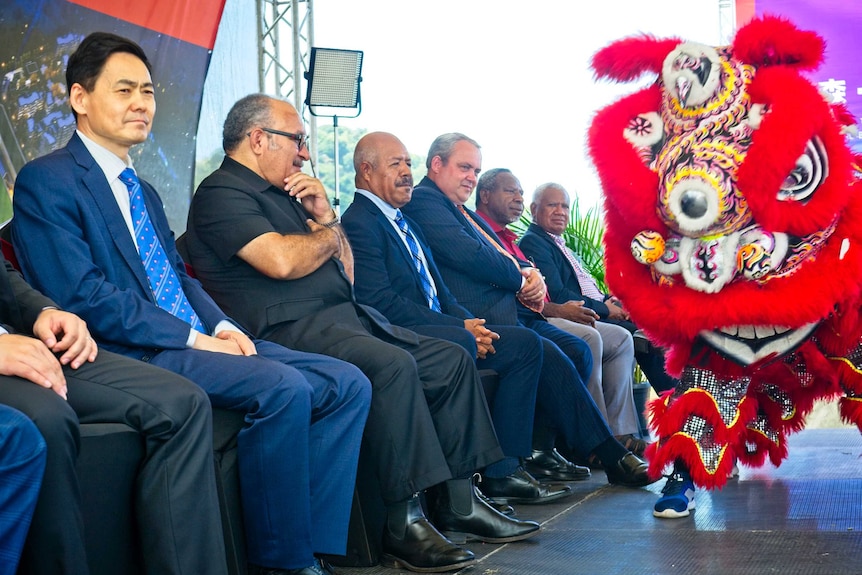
column 734, row 238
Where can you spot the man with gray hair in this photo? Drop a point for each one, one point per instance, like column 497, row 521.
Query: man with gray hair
column 568, row 282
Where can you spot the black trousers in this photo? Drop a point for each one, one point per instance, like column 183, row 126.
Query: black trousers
column 176, row 505
column 429, row 420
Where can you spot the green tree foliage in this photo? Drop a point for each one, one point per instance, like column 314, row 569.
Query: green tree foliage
column 347, row 138
column 207, row 166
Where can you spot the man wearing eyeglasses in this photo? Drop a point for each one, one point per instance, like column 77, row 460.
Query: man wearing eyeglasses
column 268, row 247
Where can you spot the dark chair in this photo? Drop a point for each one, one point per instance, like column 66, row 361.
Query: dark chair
column 107, row 467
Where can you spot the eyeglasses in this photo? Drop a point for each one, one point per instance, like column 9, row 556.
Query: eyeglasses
column 300, row 139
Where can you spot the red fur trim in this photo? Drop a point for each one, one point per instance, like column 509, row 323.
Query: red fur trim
column 629, row 58
column 771, row 41
column 843, row 115
column 610, row 150
column 850, row 409
column 797, row 113
column 850, row 376
column 683, row 448
column 777, row 452
column 841, row 333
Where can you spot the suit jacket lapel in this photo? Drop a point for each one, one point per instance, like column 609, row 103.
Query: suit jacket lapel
column 393, row 234
column 103, row 198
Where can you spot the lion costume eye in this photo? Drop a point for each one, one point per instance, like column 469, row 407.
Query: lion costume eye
column 807, row 176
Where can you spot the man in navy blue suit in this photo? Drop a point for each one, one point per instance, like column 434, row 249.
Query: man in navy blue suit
column 91, row 240
column 385, row 279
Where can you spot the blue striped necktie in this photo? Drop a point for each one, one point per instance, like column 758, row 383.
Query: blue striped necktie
column 164, row 283
column 433, row 302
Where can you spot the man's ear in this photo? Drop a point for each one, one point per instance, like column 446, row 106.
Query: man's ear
column 255, row 140
column 365, row 169
column 482, row 197
column 436, row 164
column 78, row 99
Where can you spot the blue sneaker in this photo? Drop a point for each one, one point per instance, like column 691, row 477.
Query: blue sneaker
column 677, row 497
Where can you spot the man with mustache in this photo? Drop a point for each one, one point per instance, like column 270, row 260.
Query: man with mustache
column 268, row 246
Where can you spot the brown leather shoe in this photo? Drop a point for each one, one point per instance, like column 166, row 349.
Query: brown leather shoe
column 550, row 465
column 521, row 487
column 419, row 546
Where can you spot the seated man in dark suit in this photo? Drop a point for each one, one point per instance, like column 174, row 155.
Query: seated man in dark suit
column 117, row 267
column 564, row 275
column 493, row 285
column 500, row 201
column 396, row 274
column 22, row 463
column 268, row 246
column 52, row 372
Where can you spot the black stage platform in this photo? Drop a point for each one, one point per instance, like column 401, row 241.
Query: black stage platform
column 804, row 518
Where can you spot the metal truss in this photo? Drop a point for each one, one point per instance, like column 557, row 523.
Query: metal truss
column 727, row 20
column 286, row 32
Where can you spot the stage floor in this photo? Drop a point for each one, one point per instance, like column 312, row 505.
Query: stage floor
column 804, row 518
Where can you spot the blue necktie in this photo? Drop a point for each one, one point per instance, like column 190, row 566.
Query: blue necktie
column 164, row 283
column 433, row 302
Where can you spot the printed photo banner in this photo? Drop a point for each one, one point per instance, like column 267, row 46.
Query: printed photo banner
column 36, row 39
column 836, row 21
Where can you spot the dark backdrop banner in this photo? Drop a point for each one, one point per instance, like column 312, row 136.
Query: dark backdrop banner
column 36, row 39
column 839, row 22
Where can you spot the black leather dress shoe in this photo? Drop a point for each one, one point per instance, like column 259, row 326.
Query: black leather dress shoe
column 463, row 516
column 550, row 465
column 629, row 471
column 421, row 547
column 521, row 487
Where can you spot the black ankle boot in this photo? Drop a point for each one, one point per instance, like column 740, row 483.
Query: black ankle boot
column 411, row 542
column 463, row 516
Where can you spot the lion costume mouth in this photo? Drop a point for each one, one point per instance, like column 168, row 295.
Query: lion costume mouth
column 747, row 344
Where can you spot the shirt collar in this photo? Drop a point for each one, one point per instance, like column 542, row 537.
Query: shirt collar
column 111, row 165
column 494, row 225
column 388, row 211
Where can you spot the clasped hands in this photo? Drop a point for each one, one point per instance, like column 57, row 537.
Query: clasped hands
column 532, row 292
column 485, row 338
column 35, row 358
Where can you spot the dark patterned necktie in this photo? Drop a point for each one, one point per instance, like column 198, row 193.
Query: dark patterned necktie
column 424, row 277
column 164, row 283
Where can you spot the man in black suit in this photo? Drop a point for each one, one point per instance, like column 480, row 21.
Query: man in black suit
column 52, row 371
column 269, row 248
column 396, row 274
column 493, row 284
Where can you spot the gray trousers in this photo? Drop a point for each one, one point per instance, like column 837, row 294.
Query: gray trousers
column 610, row 383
